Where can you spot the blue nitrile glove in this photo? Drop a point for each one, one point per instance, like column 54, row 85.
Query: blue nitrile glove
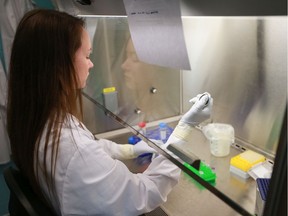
column 130, row 151
column 141, row 148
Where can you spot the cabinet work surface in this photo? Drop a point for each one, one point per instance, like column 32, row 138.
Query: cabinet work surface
column 191, row 198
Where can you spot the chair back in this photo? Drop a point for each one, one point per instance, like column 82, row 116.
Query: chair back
column 23, row 201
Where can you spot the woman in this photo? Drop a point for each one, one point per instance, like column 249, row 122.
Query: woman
column 74, row 173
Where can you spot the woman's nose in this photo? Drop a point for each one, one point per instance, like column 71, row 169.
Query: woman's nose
column 124, row 65
column 91, row 64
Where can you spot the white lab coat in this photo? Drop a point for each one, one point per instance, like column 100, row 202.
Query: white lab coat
column 91, row 181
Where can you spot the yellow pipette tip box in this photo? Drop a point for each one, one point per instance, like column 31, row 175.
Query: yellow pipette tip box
column 246, row 160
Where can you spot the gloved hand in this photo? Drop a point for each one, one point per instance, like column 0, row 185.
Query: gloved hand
column 200, row 111
column 130, row 151
column 141, row 148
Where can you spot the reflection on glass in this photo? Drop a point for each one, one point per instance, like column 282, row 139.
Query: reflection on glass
column 150, row 86
column 145, row 92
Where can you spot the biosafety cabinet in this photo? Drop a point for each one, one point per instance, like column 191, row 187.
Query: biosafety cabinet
column 239, row 55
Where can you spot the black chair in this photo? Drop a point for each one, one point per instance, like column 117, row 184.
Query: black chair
column 23, row 201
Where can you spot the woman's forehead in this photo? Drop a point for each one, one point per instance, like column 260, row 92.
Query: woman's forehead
column 86, row 42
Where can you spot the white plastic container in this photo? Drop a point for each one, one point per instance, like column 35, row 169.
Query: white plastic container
column 221, row 136
column 163, row 131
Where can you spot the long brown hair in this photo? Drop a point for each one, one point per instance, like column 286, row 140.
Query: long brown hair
column 42, row 87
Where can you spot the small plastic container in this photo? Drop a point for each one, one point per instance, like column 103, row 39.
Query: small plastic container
column 163, row 131
column 221, row 136
column 142, row 128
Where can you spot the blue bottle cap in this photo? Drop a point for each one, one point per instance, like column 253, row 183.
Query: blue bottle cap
column 133, row 140
column 162, row 125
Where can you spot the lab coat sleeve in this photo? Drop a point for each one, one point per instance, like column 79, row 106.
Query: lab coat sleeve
column 118, row 151
column 96, row 184
column 114, row 150
column 180, row 134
